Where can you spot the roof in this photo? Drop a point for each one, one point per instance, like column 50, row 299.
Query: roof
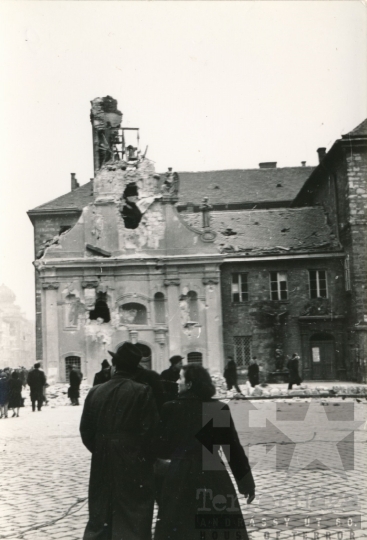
column 359, row 131
column 74, row 200
column 221, row 187
column 243, row 185
column 270, row 231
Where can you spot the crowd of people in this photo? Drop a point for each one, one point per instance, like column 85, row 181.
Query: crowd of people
column 145, row 433
column 253, row 372
column 12, row 382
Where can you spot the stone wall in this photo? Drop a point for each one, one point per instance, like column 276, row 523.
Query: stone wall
column 241, row 319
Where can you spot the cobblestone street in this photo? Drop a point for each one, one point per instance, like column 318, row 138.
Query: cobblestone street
column 45, row 468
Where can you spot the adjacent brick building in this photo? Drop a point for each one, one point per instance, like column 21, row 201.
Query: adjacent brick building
column 269, row 266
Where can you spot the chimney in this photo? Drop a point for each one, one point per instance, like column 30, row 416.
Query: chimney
column 303, row 163
column 322, row 153
column 268, row 165
column 74, row 182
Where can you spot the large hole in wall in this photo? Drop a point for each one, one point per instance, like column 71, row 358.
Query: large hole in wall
column 130, row 212
column 101, row 309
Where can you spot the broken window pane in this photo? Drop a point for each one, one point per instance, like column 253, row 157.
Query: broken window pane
column 239, row 288
column 133, row 313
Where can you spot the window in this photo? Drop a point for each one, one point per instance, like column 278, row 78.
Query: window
column 133, row 313
column 69, row 362
column 318, row 285
column 278, row 286
column 195, row 358
column 192, row 298
column 159, row 308
column 239, row 288
column 242, row 350
column 347, row 273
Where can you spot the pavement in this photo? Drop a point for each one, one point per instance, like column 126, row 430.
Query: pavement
column 308, row 462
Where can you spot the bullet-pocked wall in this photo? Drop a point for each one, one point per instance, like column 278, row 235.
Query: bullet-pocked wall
column 256, row 324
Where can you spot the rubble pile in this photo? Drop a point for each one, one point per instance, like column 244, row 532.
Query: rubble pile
column 57, row 393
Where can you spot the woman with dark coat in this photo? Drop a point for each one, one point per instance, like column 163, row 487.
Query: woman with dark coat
column 75, row 378
column 15, row 393
column 294, row 377
column 253, row 372
column 4, row 395
column 195, row 475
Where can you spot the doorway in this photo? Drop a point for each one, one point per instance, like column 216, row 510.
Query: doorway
column 323, row 357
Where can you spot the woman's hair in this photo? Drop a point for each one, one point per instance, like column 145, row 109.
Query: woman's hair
column 201, row 381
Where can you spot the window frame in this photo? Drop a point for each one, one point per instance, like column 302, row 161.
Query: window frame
column 241, row 293
column 318, row 287
column 278, row 290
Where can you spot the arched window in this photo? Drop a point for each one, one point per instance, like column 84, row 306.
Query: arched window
column 101, row 310
column 195, row 358
column 133, row 313
column 159, row 308
column 192, row 298
column 69, row 362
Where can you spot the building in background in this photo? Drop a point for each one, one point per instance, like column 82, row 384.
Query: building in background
column 208, row 264
column 17, row 339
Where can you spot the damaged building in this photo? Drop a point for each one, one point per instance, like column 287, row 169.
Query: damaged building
column 209, row 264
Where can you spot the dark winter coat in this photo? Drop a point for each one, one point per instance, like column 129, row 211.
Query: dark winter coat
column 170, row 374
column 230, row 373
column 36, row 380
column 75, row 378
column 102, row 376
column 181, row 498
column 117, row 426
column 150, row 377
column 4, row 391
column 15, row 393
column 253, row 374
column 294, row 377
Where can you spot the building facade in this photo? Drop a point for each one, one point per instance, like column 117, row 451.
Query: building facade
column 205, row 265
column 17, row 341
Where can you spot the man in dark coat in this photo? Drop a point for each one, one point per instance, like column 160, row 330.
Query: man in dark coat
column 117, row 426
column 75, row 378
column 104, row 375
column 36, row 380
column 253, row 372
column 148, row 376
column 170, row 377
column 294, row 377
column 230, row 375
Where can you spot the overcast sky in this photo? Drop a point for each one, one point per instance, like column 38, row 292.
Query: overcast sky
column 212, row 85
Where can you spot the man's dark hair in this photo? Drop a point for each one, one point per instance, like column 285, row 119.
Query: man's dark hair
column 201, row 381
column 37, row 365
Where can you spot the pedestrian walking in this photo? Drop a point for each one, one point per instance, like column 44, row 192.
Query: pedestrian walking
column 36, row 380
column 294, row 376
column 253, row 372
column 118, row 423
column 15, row 393
column 230, row 374
column 75, row 379
column 4, row 395
column 189, row 486
column 104, row 375
column 170, row 377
